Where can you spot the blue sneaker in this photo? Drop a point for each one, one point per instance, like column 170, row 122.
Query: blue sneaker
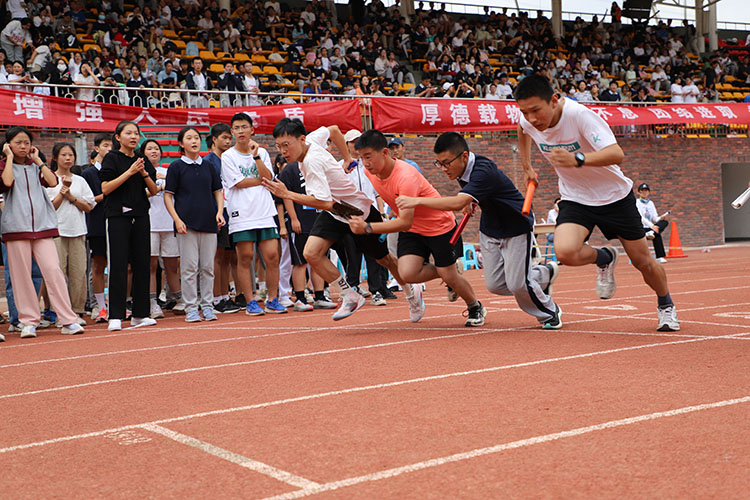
column 273, row 307
column 48, row 319
column 253, row 309
column 193, row 316
column 208, row 314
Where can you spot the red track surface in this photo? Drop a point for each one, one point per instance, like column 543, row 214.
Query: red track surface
column 378, row 407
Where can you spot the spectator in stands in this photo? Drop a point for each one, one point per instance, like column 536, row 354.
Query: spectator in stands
column 86, row 77
column 21, row 77
column 72, row 199
column 690, row 91
column 643, row 95
column 676, row 90
column 273, row 21
column 231, row 81
column 126, row 176
column 198, row 80
column 14, row 37
column 611, row 94
column 138, row 98
column 216, row 38
column 659, row 79
column 250, row 85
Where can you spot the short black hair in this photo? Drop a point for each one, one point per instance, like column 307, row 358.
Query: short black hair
column 216, row 130
column 289, row 126
column 534, row 85
column 450, row 141
column 99, row 138
column 373, row 139
column 241, row 117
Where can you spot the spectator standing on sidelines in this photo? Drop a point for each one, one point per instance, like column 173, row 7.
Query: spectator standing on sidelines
column 398, row 151
column 651, row 221
column 126, row 175
column 191, row 188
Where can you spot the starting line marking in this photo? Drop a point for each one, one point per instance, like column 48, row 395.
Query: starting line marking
column 478, row 452
column 248, row 463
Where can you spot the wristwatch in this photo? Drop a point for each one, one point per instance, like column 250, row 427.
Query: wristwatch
column 256, row 157
column 368, row 228
column 580, row 159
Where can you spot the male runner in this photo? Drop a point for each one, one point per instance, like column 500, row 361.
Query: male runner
column 581, row 147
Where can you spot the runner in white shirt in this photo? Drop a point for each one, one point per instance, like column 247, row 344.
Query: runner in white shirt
column 328, row 188
column 581, row 147
column 251, row 210
column 690, row 91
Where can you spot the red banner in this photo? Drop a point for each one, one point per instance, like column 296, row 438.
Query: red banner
column 467, row 115
column 34, row 110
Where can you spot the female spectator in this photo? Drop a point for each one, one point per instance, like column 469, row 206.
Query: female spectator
column 274, row 22
column 24, row 175
column 21, row 77
column 137, row 97
column 125, row 176
column 338, row 63
column 73, row 199
column 74, row 66
column 155, row 63
column 382, row 68
column 86, row 77
column 192, row 187
column 163, row 239
column 3, row 62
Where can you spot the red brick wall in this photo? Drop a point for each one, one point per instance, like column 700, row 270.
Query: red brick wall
column 684, row 175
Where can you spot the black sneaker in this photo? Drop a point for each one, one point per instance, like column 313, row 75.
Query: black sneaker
column 387, row 294
column 475, row 316
column 169, row 305
column 230, row 306
column 240, row 301
column 220, row 306
column 555, row 322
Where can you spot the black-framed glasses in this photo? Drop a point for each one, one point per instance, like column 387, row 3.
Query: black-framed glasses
column 440, row 164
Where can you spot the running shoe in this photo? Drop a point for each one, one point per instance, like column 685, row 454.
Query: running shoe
column 28, row 332
column 114, row 325
column 273, row 307
column 156, row 311
column 324, row 304
column 351, row 303
column 378, row 300
column 416, row 304
column 208, row 314
column 605, row 280
column 554, row 270
column 102, row 316
column 285, row 301
column 555, row 322
column 300, row 306
column 475, row 315
column 668, row 319
column 193, row 316
column 253, row 309
column 72, row 329
column 138, row 322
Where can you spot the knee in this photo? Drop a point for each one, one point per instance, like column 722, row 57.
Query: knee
column 644, row 263
column 311, row 256
column 566, row 256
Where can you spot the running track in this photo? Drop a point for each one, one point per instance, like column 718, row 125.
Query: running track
column 298, row 406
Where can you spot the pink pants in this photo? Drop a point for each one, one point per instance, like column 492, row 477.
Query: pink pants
column 27, row 302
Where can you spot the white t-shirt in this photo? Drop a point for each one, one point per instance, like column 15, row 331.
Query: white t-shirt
column 676, row 91
column 85, row 94
column 248, row 208
column 690, row 93
column 16, row 9
column 582, row 130
column 71, row 221
column 551, row 216
column 324, row 177
column 161, row 221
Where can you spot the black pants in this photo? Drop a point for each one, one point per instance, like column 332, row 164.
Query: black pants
column 658, row 241
column 351, row 260
column 129, row 242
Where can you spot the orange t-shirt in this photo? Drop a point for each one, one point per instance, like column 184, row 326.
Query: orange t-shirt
column 405, row 180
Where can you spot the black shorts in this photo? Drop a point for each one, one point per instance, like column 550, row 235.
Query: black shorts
column 297, row 248
column 369, row 244
column 438, row 246
column 616, row 220
column 223, row 240
column 98, row 246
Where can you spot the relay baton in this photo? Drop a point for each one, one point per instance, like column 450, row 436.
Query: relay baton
column 741, row 199
column 530, row 188
column 460, row 228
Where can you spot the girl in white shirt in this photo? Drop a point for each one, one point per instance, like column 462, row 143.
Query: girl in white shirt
column 676, row 90
column 85, row 77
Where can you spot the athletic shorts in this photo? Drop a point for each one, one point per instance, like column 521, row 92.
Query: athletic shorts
column 98, row 246
column 297, row 249
column 223, row 240
column 616, row 220
column 164, row 244
column 443, row 253
column 369, row 244
column 266, row 233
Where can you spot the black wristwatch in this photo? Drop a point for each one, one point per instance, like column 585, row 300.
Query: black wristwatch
column 580, row 159
column 257, row 157
column 368, row 228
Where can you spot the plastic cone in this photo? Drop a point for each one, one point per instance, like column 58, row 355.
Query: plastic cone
column 675, row 247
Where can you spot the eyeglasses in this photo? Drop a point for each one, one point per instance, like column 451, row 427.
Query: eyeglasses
column 445, row 164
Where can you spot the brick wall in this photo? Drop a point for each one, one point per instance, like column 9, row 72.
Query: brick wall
column 684, row 175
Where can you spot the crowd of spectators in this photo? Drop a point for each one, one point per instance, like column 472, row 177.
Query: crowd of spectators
column 267, row 47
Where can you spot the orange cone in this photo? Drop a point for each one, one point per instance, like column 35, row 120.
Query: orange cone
column 675, row 247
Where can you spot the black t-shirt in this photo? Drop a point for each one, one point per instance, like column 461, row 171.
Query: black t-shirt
column 295, row 182
column 130, row 198
column 95, row 218
column 500, row 201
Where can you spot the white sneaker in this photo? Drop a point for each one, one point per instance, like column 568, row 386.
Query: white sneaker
column 156, row 311
column 324, row 304
column 416, row 304
column 137, row 322
column 650, row 235
column 554, row 270
column 179, row 308
column 114, row 325
column 286, row 301
column 605, row 280
column 661, row 260
column 72, row 329
column 94, row 313
column 81, row 321
column 351, row 303
column 378, row 300
column 28, row 332
column 300, row 306
column 2, row 337
column 668, row 319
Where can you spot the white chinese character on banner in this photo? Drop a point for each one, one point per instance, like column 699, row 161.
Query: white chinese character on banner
column 682, row 112
column 145, row 115
column 487, row 114
column 430, row 114
column 726, row 111
column 32, row 107
column 254, row 116
column 460, row 114
column 705, row 112
column 197, row 118
column 602, row 112
column 295, row 113
column 89, row 112
column 512, row 113
column 659, row 112
column 628, row 113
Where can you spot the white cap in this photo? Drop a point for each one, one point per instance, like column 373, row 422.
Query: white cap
column 352, row 135
column 446, row 86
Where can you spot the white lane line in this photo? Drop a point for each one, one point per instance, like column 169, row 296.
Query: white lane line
column 248, row 463
column 478, row 452
column 352, row 390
